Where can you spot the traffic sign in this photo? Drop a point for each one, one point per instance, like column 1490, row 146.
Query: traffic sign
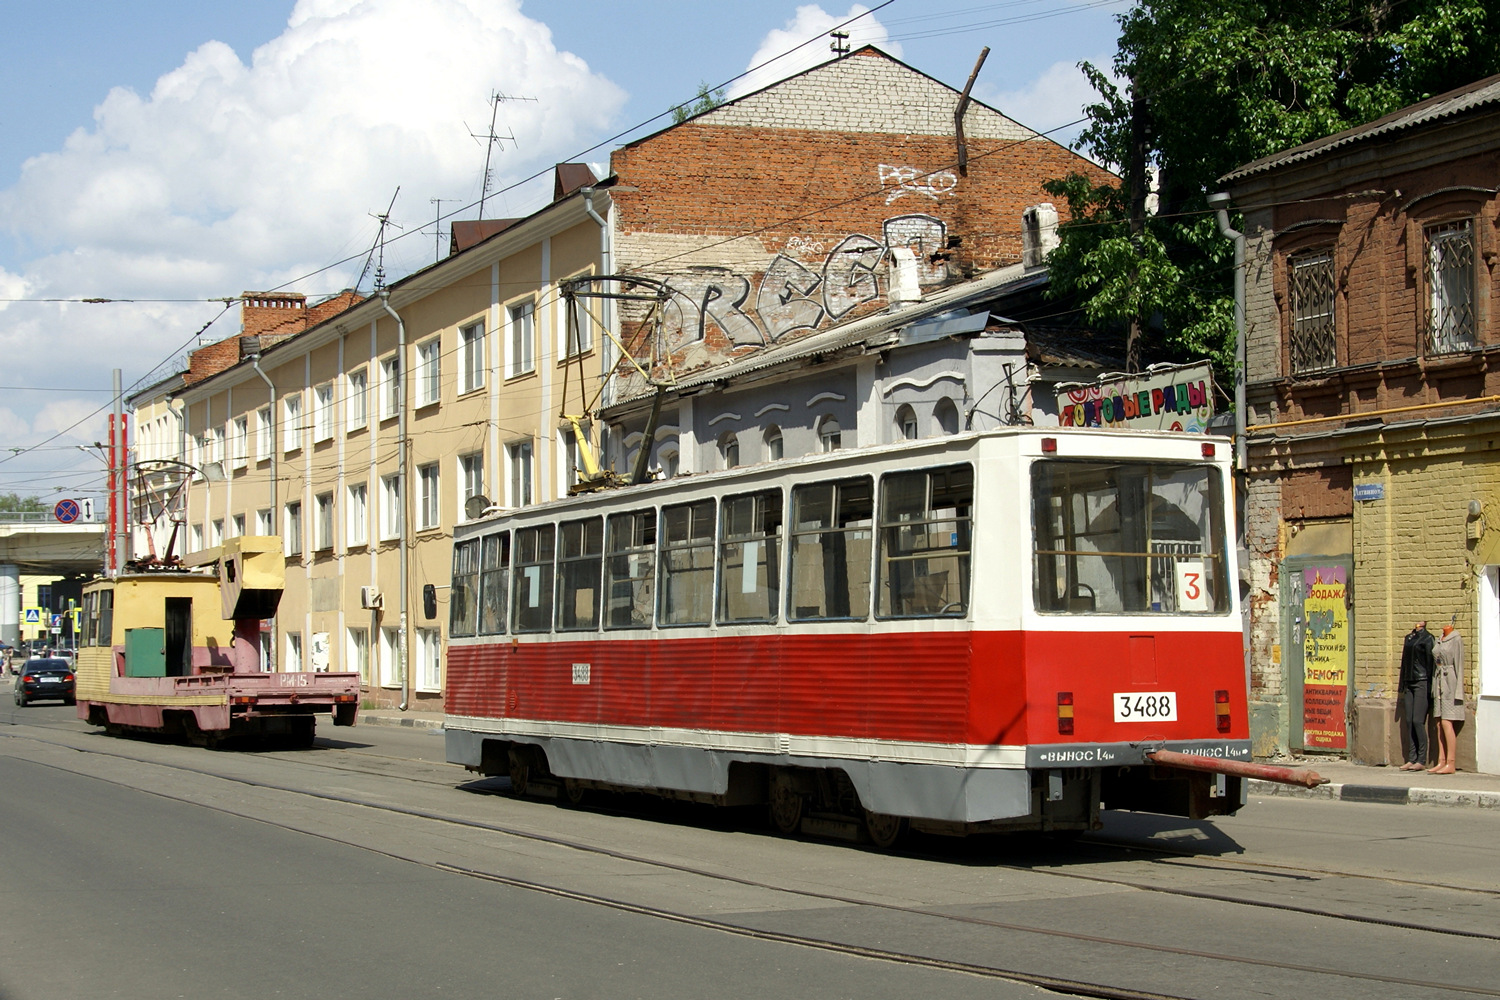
column 33, row 616
column 56, row 622
column 66, row 511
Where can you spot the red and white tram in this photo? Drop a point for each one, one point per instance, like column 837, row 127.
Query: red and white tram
column 988, row 631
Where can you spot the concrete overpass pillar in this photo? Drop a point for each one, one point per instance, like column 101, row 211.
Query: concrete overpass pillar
column 10, row 603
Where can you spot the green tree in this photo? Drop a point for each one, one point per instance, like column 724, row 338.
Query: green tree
column 1208, row 86
column 14, row 503
column 706, row 100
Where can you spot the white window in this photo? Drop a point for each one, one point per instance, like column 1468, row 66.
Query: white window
column 216, row 531
column 906, row 423
column 390, row 387
column 829, row 435
column 263, row 522
column 390, row 506
column 293, row 652
column 471, row 357
column 427, row 496
column 522, row 319
column 357, row 653
column 323, row 530
column 471, row 475
column 357, row 400
column 429, row 659
column 579, row 331
column 291, row 422
column 237, row 525
column 292, row 535
column 669, row 463
column 357, row 515
column 390, row 657
column 217, row 452
column 197, row 538
column 267, row 662
column 240, row 442
column 518, row 455
column 569, row 442
column 729, row 449
column 774, row 448
column 428, row 372
column 323, row 412
column 264, row 442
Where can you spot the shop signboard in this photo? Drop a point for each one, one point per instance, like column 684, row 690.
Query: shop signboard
column 1162, row 398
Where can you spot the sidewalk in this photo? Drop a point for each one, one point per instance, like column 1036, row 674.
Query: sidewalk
column 1348, row 782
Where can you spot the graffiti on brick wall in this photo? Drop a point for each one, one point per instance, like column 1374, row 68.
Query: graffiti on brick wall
column 905, row 180
column 791, row 295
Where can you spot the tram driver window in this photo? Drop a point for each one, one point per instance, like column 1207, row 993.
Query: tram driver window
column 687, row 563
column 494, row 572
column 750, row 557
column 1128, row 537
column 464, row 607
column 579, row 561
column 630, row 570
column 830, row 550
column 532, row 601
column 924, row 543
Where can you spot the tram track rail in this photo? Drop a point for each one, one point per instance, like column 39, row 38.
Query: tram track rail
column 1057, row 984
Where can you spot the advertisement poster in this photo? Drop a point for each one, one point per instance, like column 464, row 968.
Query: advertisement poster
column 1325, row 657
column 1162, row 398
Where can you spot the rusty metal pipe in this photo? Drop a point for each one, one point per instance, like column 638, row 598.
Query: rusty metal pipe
column 1239, row 768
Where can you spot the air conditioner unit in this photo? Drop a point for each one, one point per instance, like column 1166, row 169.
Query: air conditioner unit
column 369, row 597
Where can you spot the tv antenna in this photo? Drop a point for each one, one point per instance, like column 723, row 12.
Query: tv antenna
column 491, row 139
column 840, row 44
column 384, row 219
column 437, row 227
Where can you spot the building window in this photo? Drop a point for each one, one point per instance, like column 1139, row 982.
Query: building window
column 1450, row 286
column 471, row 357
column 774, row 447
column 390, row 506
column 237, row 524
column 357, row 655
column 240, row 442
column 357, row 400
column 1310, row 286
column 293, row 652
column 356, row 515
column 323, row 535
column 522, row 339
column 569, row 442
column 264, row 442
column 216, row 531
column 263, row 522
column 429, row 372
column 217, row 454
column 390, row 387
column 519, row 457
column 390, row 657
column 471, row 476
column 429, row 659
column 729, row 449
column 946, row 415
column 668, row 459
column 291, row 426
column 906, row 423
column 323, row 412
column 830, row 438
column 580, row 332
column 427, row 496
column 292, row 537
column 196, row 537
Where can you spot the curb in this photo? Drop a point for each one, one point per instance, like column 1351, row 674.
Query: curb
column 1385, row 794
column 405, row 721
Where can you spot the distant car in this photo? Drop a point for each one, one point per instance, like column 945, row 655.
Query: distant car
column 39, row 679
column 65, row 654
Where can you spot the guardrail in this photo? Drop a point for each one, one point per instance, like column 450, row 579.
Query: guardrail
column 35, row 517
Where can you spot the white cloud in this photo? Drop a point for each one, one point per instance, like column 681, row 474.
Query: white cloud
column 810, row 22
column 239, row 174
column 1052, row 103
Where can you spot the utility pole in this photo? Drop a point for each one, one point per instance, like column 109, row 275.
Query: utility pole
column 840, row 44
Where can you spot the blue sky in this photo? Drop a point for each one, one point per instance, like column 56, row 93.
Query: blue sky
column 176, row 150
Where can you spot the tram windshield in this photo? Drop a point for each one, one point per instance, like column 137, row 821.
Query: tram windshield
column 1129, row 537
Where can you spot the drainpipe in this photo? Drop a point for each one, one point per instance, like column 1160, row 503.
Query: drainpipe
column 275, row 493
column 1220, row 203
column 401, row 483
column 607, row 309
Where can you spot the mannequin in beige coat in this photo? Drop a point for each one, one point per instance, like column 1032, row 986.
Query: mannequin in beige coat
column 1447, row 696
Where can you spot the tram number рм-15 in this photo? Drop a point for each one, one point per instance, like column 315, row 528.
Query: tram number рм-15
column 1137, row 706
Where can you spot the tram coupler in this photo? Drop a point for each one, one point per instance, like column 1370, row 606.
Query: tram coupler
column 1239, row 768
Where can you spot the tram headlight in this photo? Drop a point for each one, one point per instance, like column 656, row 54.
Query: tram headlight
column 1221, row 710
column 1065, row 713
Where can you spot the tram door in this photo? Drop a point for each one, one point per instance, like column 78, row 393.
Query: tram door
column 179, row 636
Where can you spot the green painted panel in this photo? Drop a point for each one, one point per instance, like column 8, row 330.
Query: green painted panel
column 145, row 652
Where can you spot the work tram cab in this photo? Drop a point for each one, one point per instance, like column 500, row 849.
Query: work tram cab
column 988, row 631
column 176, row 650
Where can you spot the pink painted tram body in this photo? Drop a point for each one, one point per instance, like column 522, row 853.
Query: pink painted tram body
column 987, row 631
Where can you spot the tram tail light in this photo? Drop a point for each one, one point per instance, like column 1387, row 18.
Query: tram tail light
column 1208, row 450
column 1065, row 713
column 1221, row 710
column 1049, row 446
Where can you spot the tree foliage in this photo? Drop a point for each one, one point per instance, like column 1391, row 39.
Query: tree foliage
column 706, row 100
column 14, row 503
column 1208, row 86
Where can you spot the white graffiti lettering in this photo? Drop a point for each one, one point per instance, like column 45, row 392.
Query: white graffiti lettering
column 910, row 180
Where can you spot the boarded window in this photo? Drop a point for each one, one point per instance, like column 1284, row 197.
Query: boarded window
column 832, row 529
column 750, row 557
column 924, row 542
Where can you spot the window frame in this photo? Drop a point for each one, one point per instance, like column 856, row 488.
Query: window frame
column 291, row 529
column 323, row 522
column 429, row 496
column 471, row 357
column 356, row 400
column 291, row 428
column 322, row 412
column 390, row 387
column 356, row 514
column 520, row 361
column 428, row 372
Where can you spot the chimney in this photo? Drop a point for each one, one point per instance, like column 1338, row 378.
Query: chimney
column 1038, row 233
column 269, row 312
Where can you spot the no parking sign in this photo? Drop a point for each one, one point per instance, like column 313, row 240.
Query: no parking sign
column 66, row 511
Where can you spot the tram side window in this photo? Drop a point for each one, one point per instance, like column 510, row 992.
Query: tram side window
column 494, row 573
column 1128, row 537
column 87, row 638
column 579, row 558
column 106, row 618
column 532, row 602
column 630, row 570
column 750, row 557
column 831, row 536
column 687, row 563
column 924, row 542
column 463, row 609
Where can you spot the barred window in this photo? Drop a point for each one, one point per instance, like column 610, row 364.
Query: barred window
column 1450, row 286
column 1311, row 301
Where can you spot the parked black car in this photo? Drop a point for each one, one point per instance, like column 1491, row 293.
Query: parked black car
column 45, row 678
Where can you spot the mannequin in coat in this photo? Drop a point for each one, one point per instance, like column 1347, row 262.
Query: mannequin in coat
column 1447, row 696
column 1415, row 682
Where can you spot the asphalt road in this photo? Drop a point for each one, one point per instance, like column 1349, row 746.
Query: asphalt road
column 367, row 867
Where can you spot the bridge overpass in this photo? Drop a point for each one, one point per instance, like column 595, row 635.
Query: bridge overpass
column 37, row 544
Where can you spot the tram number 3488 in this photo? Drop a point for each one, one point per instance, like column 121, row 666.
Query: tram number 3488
column 1146, row 706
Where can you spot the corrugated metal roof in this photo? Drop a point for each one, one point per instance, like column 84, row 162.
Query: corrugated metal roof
column 1475, row 95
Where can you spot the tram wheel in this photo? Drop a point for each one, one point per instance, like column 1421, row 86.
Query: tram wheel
column 574, row 791
column 520, row 772
column 885, row 831
column 786, row 806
